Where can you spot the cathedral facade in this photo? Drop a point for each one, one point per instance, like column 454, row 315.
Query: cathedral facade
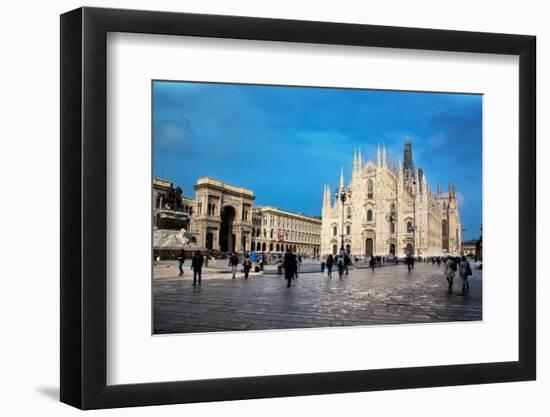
column 390, row 211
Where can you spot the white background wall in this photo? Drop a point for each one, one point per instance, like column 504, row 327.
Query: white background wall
column 29, row 171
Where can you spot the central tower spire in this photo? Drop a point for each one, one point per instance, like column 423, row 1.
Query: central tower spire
column 408, row 165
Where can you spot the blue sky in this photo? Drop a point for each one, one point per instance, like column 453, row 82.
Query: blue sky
column 286, row 142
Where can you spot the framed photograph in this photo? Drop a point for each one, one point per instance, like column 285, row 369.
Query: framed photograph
column 257, row 208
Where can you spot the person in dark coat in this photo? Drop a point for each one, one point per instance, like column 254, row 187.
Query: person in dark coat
column 247, row 264
column 372, row 263
column 262, row 261
column 408, row 260
column 279, row 264
column 340, row 262
column 181, row 260
column 196, row 266
column 465, row 271
column 328, row 264
column 289, row 265
column 347, row 263
column 450, row 270
column 298, row 265
column 233, row 263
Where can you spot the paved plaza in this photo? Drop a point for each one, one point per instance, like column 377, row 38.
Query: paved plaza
column 390, row 295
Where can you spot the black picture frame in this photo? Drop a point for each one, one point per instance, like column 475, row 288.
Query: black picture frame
column 84, row 207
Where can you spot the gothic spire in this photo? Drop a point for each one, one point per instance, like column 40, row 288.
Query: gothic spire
column 408, row 158
column 326, row 196
column 341, row 178
column 384, row 154
column 354, row 160
column 360, row 161
column 399, row 169
column 378, row 155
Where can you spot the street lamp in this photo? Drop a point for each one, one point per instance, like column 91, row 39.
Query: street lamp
column 342, row 195
column 242, row 238
column 413, row 227
column 391, row 217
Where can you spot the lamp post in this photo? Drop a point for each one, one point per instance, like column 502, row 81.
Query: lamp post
column 462, row 241
column 413, row 227
column 242, row 238
column 342, row 195
column 392, row 217
column 479, row 253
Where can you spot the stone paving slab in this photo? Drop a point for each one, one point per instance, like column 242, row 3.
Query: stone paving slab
column 390, row 295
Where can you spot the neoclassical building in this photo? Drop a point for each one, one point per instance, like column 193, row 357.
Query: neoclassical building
column 390, row 210
column 222, row 217
column 276, row 230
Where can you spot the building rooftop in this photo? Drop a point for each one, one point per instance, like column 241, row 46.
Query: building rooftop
column 288, row 212
column 162, row 182
column 219, row 184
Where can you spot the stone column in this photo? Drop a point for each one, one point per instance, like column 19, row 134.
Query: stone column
column 202, row 237
column 216, row 239
column 238, row 238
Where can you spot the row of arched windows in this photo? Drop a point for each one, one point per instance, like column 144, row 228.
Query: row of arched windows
column 264, row 247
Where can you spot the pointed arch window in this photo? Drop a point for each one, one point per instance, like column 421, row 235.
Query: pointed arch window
column 370, row 189
column 369, row 215
column 349, row 212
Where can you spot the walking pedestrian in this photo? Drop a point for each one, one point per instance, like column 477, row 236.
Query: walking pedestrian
column 247, row 264
column 279, row 264
column 450, row 269
column 408, row 260
column 196, row 266
column 347, row 262
column 298, row 264
column 328, row 265
column 372, row 263
column 290, row 265
column 262, row 261
column 465, row 272
column 233, row 263
column 181, row 260
column 340, row 261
